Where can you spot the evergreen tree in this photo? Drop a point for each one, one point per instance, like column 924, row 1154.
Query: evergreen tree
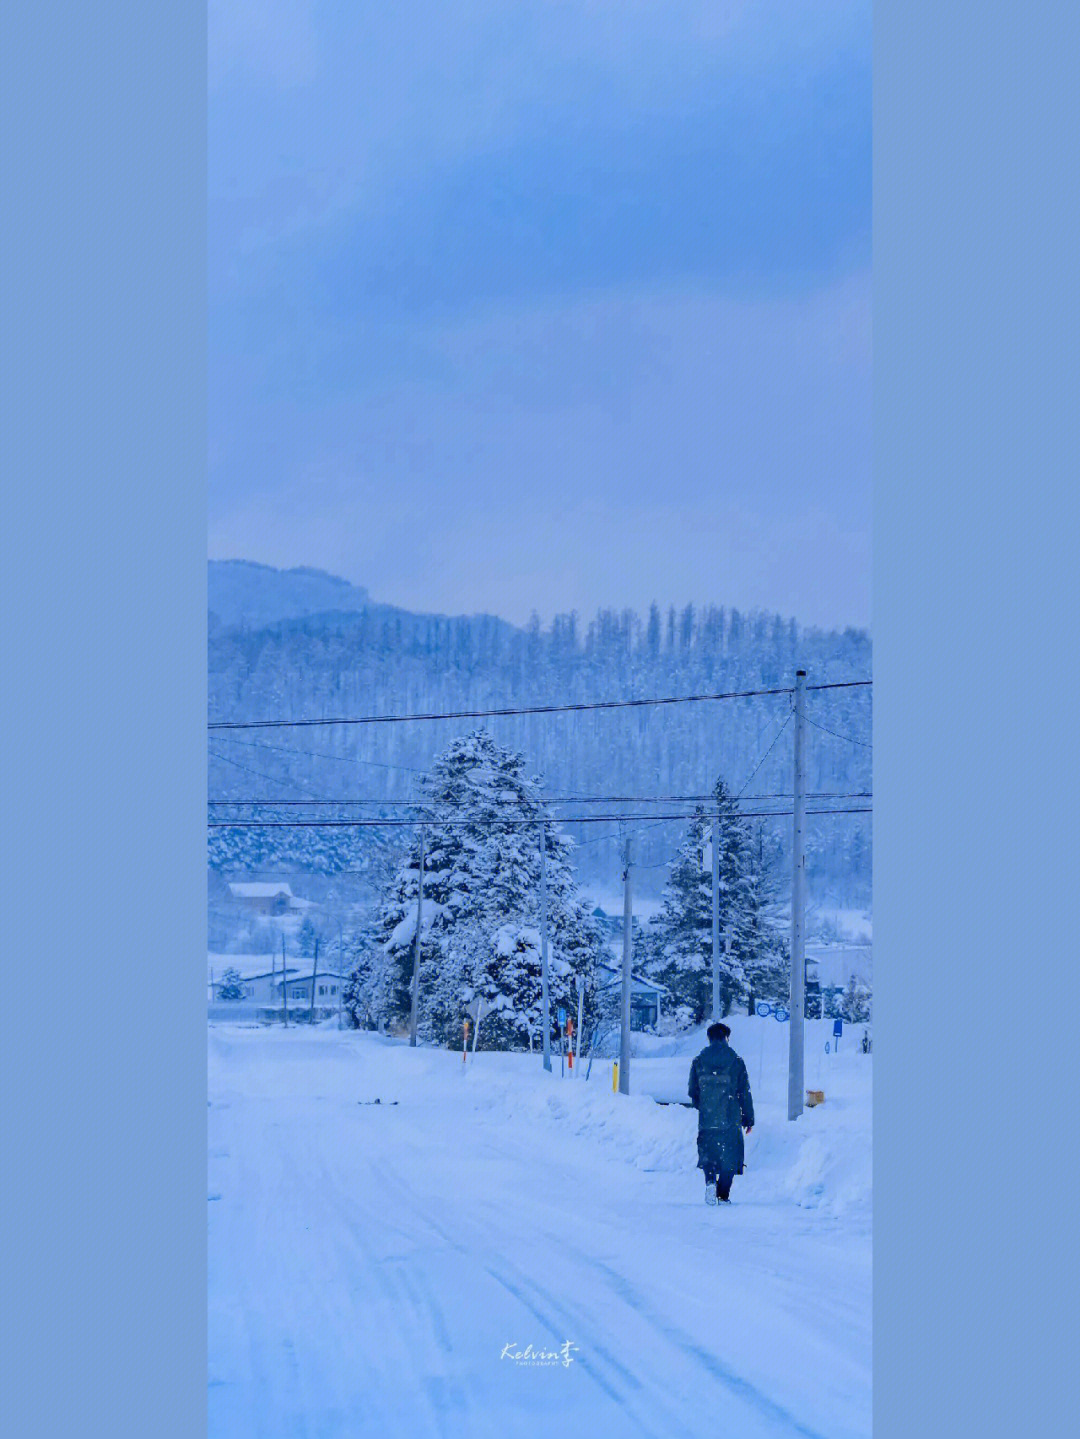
column 307, row 938
column 680, row 947
column 855, row 1005
column 230, row 987
column 480, row 935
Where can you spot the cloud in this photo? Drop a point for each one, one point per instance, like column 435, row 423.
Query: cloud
column 487, row 279
column 611, row 449
column 407, row 113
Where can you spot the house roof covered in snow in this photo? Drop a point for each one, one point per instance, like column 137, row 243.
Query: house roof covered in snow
column 294, row 974
column 258, row 889
column 251, row 966
column 637, row 981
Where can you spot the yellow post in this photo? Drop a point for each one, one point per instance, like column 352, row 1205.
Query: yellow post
column 615, row 1076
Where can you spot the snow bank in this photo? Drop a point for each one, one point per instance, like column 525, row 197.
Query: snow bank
column 821, row 1162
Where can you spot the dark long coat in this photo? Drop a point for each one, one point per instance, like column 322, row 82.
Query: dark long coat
column 720, row 1092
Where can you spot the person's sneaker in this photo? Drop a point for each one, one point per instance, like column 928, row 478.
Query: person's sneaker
column 710, row 1191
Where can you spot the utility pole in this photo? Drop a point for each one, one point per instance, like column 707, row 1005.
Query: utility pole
column 341, row 969
column 798, row 907
column 716, row 914
column 545, row 991
column 314, row 977
column 580, row 1019
column 414, row 990
column 627, row 954
column 284, row 986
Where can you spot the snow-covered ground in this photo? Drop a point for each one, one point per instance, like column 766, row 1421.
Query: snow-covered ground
column 373, row 1268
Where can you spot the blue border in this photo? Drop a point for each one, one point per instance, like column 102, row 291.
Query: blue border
column 103, row 612
column 975, row 783
column 103, row 574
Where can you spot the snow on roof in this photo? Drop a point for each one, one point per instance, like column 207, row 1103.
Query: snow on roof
column 637, row 981
column 261, row 970
column 256, row 966
column 258, row 889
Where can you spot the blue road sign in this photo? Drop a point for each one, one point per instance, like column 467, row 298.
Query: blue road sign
column 764, row 1009
column 781, row 1014
column 562, row 1018
column 838, row 1027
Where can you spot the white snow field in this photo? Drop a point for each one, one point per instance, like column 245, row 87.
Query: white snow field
column 373, row 1268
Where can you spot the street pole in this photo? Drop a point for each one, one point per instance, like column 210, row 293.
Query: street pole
column 314, row 977
column 341, row 970
column 716, row 915
column 580, row 1018
column 414, row 991
column 627, row 948
column 798, row 908
column 545, row 991
column 284, row 985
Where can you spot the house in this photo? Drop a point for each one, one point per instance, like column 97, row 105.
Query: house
column 260, row 984
column 836, row 963
column 645, row 996
column 260, row 978
column 327, row 989
column 262, row 897
column 268, row 899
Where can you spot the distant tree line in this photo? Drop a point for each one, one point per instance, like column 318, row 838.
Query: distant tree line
column 383, row 660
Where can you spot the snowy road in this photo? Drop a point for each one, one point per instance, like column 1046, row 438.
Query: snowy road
column 370, row 1264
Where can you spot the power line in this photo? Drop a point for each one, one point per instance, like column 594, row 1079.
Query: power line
column 321, row 754
column 259, row 775
column 768, row 752
column 525, row 710
column 837, row 735
column 573, row 819
column 549, row 799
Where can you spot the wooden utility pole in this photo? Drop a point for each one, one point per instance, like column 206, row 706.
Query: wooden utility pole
column 545, row 985
column 414, row 992
column 716, row 914
column 797, row 1002
column 284, row 985
column 314, row 976
column 580, row 1019
column 627, row 952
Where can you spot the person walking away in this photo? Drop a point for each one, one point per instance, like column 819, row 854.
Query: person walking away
column 720, row 1092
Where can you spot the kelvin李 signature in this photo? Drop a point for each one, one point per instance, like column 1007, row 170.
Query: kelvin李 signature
column 532, row 1355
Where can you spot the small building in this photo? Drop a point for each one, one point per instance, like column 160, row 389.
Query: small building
column 260, row 980
column 327, row 988
column 273, row 897
column 646, row 996
column 260, row 985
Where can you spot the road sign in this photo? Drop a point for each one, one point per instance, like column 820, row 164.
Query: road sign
column 764, row 1010
column 838, row 1027
column 562, row 1017
column 781, row 1014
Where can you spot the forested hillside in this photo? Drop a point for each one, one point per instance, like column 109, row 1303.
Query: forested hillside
column 381, row 660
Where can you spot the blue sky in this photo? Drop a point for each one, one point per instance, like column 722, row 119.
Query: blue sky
column 523, row 306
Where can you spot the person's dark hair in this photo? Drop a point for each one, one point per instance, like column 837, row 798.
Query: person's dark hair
column 718, row 1031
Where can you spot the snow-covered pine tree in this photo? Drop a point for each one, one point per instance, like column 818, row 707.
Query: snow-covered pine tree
column 680, row 946
column 767, row 963
column 360, row 961
column 230, row 987
column 855, row 1004
column 480, row 935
